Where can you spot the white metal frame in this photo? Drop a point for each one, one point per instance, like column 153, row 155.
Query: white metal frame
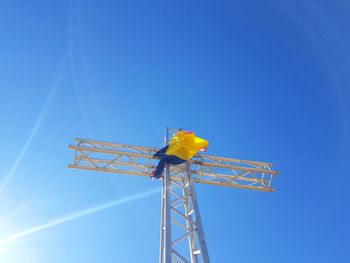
column 180, row 219
column 138, row 160
column 181, row 233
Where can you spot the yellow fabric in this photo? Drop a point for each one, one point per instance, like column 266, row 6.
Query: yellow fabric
column 185, row 145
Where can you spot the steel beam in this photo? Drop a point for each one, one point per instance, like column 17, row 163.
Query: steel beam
column 181, row 232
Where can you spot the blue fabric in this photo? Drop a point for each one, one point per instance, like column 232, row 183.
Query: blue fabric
column 166, row 159
column 163, row 150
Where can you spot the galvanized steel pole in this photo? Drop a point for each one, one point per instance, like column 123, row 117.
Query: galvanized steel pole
column 200, row 231
column 167, row 251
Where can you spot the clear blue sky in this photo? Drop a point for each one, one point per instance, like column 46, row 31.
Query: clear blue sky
column 261, row 80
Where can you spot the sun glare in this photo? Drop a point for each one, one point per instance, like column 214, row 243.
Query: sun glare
column 16, row 245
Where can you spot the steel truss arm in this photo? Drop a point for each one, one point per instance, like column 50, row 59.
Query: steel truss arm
column 138, row 160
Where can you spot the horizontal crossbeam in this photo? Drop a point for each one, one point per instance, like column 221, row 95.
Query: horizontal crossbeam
column 138, row 160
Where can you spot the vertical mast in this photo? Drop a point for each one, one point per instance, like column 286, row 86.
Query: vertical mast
column 198, row 220
column 180, row 218
column 166, row 250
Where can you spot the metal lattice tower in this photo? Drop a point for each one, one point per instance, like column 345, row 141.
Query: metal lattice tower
column 181, row 232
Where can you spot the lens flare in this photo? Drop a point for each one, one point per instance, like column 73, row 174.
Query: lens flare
column 76, row 215
column 33, row 132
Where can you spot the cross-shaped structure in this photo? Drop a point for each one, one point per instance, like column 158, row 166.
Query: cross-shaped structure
column 181, row 233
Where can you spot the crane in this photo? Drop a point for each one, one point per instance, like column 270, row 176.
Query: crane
column 182, row 236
